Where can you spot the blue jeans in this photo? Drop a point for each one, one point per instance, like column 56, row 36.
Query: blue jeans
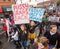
column 24, row 43
column 51, row 46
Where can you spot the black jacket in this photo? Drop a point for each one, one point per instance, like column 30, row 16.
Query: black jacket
column 23, row 36
column 58, row 46
column 52, row 38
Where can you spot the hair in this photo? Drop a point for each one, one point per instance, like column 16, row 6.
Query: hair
column 40, row 38
column 52, row 26
column 15, row 29
column 45, row 43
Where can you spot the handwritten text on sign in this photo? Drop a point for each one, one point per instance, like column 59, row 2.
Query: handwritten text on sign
column 36, row 14
column 20, row 13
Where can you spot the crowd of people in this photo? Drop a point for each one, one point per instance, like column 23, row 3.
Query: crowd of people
column 20, row 37
column 35, row 35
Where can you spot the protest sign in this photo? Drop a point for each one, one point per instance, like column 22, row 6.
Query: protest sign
column 36, row 14
column 53, row 19
column 20, row 13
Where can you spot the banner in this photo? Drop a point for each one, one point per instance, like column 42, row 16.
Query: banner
column 20, row 13
column 36, row 14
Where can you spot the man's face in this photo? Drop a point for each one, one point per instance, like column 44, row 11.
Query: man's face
column 54, row 29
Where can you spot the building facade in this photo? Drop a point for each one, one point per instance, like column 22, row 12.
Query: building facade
column 6, row 2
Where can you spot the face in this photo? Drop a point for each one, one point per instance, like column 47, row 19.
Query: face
column 54, row 15
column 58, row 13
column 22, row 27
column 32, row 23
column 54, row 29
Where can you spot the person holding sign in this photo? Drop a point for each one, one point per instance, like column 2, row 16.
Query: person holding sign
column 32, row 34
column 23, row 36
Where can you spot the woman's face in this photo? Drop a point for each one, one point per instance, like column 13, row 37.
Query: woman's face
column 32, row 23
column 54, row 15
column 54, row 29
column 22, row 27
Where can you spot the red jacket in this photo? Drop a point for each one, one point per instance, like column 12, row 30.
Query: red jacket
column 5, row 27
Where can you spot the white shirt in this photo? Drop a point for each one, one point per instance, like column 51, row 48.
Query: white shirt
column 7, row 24
column 15, row 37
column 52, row 33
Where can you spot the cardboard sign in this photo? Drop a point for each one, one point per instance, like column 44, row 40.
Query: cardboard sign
column 20, row 13
column 36, row 14
column 54, row 19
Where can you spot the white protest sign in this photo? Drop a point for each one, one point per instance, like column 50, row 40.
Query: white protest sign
column 20, row 13
column 53, row 19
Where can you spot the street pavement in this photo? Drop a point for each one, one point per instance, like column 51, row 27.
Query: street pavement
column 6, row 44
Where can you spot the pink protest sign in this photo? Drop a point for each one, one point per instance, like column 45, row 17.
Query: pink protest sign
column 20, row 13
